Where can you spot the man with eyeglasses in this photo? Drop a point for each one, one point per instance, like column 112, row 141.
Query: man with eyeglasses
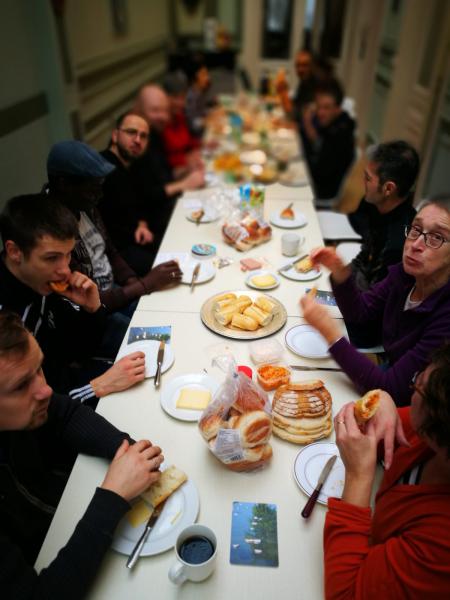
column 125, row 211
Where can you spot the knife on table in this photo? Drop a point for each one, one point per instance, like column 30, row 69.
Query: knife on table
column 132, row 559
column 195, row 273
column 322, row 478
column 159, row 362
column 305, row 368
column 290, row 265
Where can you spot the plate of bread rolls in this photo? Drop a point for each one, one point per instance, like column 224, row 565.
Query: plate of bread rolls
column 243, row 315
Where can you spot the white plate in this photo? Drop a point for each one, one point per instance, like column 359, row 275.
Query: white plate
column 207, row 271
column 171, row 391
column 306, row 341
column 309, row 464
column 298, row 221
column 250, row 276
column 209, row 216
column 150, row 349
column 180, row 511
column 253, row 157
column 292, row 273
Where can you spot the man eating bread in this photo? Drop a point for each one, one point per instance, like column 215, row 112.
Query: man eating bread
column 38, row 429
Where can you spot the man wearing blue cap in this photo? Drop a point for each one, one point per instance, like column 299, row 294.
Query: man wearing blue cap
column 76, row 173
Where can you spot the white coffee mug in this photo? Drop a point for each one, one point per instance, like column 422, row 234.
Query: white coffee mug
column 290, row 243
column 181, row 570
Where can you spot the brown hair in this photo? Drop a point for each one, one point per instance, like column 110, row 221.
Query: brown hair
column 14, row 337
column 436, row 399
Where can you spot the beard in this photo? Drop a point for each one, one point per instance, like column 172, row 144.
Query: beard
column 125, row 155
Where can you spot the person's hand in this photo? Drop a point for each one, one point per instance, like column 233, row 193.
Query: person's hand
column 133, row 469
column 358, row 451
column 194, row 180
column 83, row 291
column 162, row 276
column 388, row 427
column 142, row 234
column 126, row 372
column 194, row 160
column 318, row 317
column 329, row 258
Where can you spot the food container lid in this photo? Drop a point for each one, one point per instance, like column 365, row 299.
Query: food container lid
column 246, row 370
column 266, row 351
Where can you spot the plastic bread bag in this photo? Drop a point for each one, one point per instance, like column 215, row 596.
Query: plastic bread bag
column 237, row 424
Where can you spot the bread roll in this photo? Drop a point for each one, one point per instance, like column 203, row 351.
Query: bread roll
column 265, row 304
column 225, row 315
column 170, row 480
column 261, row 317
column 246, row 465
column 210, row 425
column 218, row 306
column 242, row 302
column 367, row 406
column 254, row 427
column 304, row 266
column 244, row 322
column 229, row 296
column 59, row 286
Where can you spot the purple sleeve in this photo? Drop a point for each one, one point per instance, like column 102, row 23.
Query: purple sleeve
column 395, row 380
column 359, row 307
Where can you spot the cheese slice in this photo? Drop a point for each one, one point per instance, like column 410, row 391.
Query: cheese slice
column 263, row 280
column 193, row 399
column 139, row 513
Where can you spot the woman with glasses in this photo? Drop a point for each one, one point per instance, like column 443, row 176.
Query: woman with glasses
column 411, row 306
column 402, row 549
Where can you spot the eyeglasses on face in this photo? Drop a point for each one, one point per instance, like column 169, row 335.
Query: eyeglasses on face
column 432, row 240
column 416, row 383
column 142, row 135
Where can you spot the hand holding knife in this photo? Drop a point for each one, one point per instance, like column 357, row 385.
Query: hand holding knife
column 159, row 362
column 322, row 478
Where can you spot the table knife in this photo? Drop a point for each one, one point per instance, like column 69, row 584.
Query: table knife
column 290, row 265
column 305, row 368
column 322, row 478
column 195, row 273
column 159, row 362
column 132, row 559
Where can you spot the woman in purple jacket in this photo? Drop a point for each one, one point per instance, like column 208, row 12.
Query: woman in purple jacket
column 412, row 306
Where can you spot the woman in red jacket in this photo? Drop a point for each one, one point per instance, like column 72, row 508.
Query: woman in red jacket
column 402, row 550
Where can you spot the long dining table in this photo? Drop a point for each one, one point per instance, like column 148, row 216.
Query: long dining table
column 138, row 411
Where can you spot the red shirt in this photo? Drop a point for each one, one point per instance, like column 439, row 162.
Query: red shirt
column 178, row 141
column 403, row 550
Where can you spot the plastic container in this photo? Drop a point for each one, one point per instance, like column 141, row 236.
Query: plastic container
column 271, row 376
column 266, row 351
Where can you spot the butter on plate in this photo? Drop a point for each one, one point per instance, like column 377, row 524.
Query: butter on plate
column 139, row 513
column 263, row 281
column 193, row 399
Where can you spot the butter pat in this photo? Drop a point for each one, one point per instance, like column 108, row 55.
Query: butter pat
column 139, row 513
column 193, row 399
column 263, row 280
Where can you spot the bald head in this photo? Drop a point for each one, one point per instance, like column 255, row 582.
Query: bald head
column 153, row 103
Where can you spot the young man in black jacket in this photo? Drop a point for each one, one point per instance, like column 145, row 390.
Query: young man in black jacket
column 328, row 136
column 38, row 236
column 36, row 428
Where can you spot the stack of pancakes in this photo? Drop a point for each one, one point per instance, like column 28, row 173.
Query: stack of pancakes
column 302, row 412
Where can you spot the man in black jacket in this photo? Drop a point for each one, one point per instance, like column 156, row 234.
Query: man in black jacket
column 328, row 140
column 385, row 210
column 38, row 236
column 125, row 210
column 36, row 428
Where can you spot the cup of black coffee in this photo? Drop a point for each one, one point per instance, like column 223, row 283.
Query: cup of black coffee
column 196, row 552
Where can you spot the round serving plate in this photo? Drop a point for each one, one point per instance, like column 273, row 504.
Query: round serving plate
column 208, row 318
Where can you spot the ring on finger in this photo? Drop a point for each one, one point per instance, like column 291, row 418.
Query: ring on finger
column 341, row 422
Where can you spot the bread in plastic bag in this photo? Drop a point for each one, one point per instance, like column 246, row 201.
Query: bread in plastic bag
column 237, row 424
